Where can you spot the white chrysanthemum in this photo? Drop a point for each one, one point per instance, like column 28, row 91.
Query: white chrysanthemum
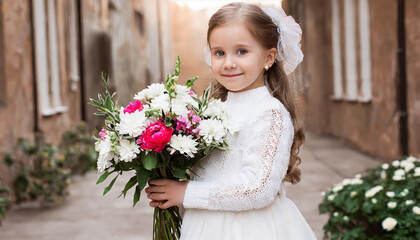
column 371, row 192
column 390, row 194
column 416, row 210
column 105, row 153
column 214, row 108
column 160, row 103
column 154, row 90
column 408, row 166
column 399, row 175
column 212, row 130
column 411, row 159
column 184, row 145
column 417, row 172
column 383, row 175
column 180, row 103
column 132, row 124
column 337, row 188
column 356, row 181
column 389, row 223
column 128, row 150
column 392, row 205
column 385, row 166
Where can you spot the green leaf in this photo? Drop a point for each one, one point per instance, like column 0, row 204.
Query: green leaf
column 108, row 103
column 129, row 185
column 103, row 177
column 110, row 185
column 142, row 177
column 149, row 161
column 136, row 196
column 179, row 173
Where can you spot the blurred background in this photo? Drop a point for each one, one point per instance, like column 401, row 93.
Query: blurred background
column 358, row 83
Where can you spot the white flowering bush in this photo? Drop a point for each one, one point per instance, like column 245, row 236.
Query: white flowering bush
column 383, row 203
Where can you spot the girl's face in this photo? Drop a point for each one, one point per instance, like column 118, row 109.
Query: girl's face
column 237, row 58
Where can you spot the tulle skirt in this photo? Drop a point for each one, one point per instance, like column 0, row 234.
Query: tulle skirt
column 280, row 220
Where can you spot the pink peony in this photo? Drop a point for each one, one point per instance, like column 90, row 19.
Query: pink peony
column 134, row 106
column 155, row 137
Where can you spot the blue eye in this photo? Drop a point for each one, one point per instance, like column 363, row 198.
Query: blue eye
column 241, row 51
column 219, row 53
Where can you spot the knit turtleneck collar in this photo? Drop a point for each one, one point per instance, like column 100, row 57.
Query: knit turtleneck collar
column 254, row 94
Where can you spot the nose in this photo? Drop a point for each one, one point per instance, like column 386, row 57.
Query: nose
column 229, row 62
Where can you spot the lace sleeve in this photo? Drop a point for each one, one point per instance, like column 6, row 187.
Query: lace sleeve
column 265, row 163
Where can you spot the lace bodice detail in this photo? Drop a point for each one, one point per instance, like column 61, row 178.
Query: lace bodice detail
column 250, row 174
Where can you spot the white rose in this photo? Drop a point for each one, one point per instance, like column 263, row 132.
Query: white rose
column 396, row 163
column 385, row 166
column 392, row 205
column 389, row 223
column 409, row 202
column 416, row 210
column 331, row 197
column 390, row 194
column 411, row 159
column 374, row 201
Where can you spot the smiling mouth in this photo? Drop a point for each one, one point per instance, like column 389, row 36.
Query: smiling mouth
column 231, row 75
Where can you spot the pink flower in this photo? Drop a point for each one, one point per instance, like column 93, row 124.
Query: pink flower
column 102, row 133
column 155, row 137
column 192, row 93
column 196, row 119
column 182, row 123
column 134, row 106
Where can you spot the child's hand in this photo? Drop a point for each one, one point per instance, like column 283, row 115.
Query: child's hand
column 160, row 190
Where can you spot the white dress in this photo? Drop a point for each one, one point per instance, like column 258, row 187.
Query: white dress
column 239, row 195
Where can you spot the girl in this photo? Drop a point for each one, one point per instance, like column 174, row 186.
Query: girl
column 239, row 194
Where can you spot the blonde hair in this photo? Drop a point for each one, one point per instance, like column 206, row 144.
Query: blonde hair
column 264, row 30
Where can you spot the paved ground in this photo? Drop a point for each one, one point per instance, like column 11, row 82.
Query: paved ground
column 87, row 215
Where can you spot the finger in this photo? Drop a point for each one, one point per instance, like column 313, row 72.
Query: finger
column 166, row 205
column 158, row 182
column 156, row 189
column 157, row 196
column 155, row 203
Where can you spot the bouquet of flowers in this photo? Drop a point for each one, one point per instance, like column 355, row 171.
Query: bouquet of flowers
column 163, row 133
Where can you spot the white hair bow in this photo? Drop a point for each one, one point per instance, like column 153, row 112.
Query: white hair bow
column 288, row 46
